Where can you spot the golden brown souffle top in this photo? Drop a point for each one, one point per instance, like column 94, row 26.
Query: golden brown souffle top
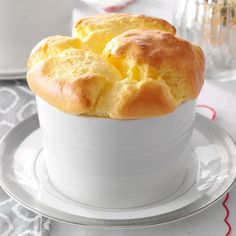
column 118, row 66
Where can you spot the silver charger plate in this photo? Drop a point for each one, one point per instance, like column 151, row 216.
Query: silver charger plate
column 211, row 173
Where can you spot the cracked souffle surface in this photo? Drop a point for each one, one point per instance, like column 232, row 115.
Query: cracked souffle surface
column 118, row 66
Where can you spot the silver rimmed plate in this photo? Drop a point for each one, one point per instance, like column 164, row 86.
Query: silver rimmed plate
column 211, row 172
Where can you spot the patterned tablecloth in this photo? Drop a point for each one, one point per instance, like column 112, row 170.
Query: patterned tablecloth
column 16, row 104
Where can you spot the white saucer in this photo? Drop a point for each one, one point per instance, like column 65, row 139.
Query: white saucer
column 12, row 71
column 12, row 75
column 211, row 172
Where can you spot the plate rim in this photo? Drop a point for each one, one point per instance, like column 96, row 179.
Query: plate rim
column 11, row 72
column 109, row 223
column 13, row 76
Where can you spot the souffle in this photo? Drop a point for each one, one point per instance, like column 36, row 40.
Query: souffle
column 117, row 66
column 116, row 106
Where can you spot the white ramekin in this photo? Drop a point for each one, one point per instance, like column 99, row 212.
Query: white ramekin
column 116, row 163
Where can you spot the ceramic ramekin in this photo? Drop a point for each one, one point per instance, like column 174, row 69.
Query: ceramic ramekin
column 116, row 163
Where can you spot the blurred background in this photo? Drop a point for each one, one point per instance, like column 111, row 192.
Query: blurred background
column 209, row 23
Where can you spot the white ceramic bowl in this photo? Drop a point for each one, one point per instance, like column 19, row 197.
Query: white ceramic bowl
column 116, row 163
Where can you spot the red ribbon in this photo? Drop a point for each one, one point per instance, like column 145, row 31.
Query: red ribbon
column 213, row 117
column 226, row 219
column 227, row 215
column 118, row 7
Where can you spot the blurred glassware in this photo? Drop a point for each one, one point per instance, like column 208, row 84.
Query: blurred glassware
column 212, row 25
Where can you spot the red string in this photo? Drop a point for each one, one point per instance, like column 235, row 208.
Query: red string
column 226, row 219
column 117, row 8
column 227, row 215
column 210, row 109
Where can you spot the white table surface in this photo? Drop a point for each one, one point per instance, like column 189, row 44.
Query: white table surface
column 222, row 97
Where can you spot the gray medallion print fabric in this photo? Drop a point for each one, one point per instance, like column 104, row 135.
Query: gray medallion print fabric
column 16, row 104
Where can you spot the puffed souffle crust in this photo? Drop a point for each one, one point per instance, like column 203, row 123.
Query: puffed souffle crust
column 118, row 66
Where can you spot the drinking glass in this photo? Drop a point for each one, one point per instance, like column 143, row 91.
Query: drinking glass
column 212, row 25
